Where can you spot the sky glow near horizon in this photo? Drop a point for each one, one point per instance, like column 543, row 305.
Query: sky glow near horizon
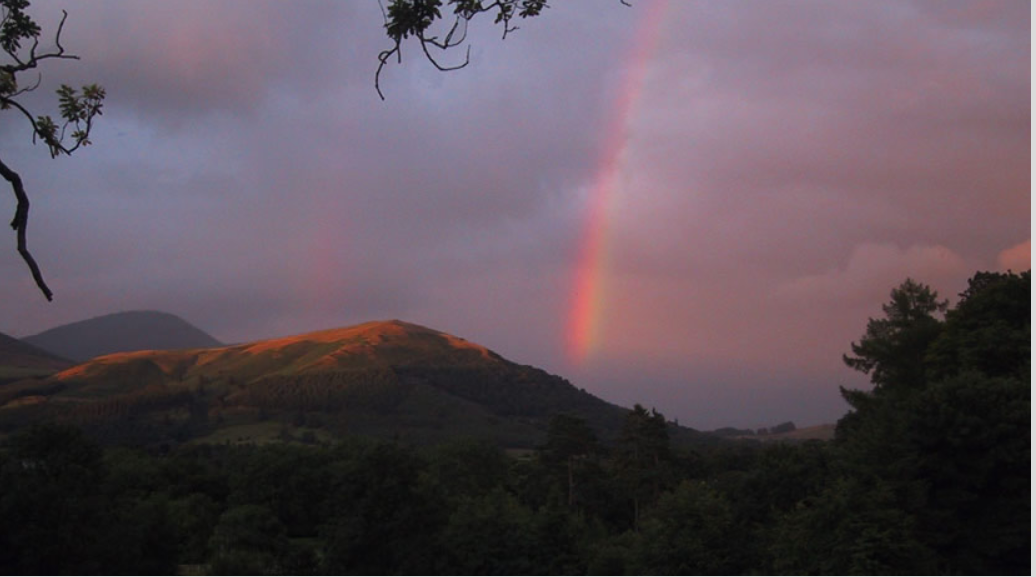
column 702, row 226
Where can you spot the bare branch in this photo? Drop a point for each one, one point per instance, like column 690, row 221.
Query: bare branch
column 424, row 47
column 6, row 101
column 32, row 50
column 20, row 224
column 57, row 35
column 382, row 59
column 19, row 92
column 463, row 35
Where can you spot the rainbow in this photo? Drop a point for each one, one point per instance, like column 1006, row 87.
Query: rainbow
column 586, row 313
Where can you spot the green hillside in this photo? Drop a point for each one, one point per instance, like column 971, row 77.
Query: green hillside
column 387, row 379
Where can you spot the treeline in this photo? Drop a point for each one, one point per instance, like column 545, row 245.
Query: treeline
column 929, row 473
column 785, row 427
column 365, row 506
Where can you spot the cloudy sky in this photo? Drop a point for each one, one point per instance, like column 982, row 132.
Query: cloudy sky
column 691, row 205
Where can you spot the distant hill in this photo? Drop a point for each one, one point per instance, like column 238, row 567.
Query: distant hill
column 19, row 359
column 825, row 432
column 121, row 332
column 815, row 433
column 387, row 379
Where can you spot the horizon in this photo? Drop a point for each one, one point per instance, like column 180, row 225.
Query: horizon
column 698, row 214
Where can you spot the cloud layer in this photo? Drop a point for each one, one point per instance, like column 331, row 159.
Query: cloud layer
column 785, row 165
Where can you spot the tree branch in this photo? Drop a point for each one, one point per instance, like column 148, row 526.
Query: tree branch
column 434, row 42
column 382, row 59
column 33, row 60
column 6, row 101
column 77, row 109
column 20, row 223
column 405, row 18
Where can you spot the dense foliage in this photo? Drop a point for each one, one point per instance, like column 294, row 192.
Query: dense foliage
column 941, row 446
column 929, row 474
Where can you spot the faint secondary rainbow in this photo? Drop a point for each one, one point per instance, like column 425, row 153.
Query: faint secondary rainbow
column 586, row 315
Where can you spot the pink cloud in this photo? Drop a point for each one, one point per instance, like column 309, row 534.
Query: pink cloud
column 873, row 269
column 1017, row 258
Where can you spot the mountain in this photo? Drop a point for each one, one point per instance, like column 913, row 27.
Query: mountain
column 121, row 332
column 19, row 359
column 389, row 379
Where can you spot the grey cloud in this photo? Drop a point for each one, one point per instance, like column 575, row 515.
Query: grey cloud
column 246, row 176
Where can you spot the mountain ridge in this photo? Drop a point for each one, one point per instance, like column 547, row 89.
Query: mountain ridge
column 382, row 378
column 306, row 352
column 121, row 332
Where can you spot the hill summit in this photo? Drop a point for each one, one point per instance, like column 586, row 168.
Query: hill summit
column 374, row 345
column 121, row 332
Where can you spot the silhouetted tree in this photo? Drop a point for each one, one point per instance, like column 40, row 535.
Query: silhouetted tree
column 642, row 456
column 989, row 331
column 893, row 349
column 944, row 433
column 569, row 439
